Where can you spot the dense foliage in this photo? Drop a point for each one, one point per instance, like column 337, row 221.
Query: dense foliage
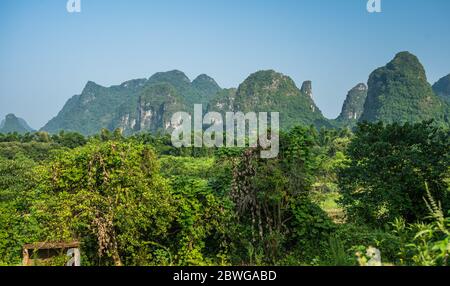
column 388, row 168
column 324, row 200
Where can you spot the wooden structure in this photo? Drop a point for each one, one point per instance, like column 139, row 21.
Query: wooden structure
column 43, row 252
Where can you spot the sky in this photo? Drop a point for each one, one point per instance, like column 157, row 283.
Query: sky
column 47, row 54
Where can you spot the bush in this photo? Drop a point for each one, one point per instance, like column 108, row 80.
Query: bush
column 387, row 170
column 353, row 236
column 425, row 244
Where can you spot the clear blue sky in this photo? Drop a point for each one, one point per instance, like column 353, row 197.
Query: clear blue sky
column 47, row 55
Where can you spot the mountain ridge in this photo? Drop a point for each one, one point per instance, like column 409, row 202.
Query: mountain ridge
column 98, row 107
column 396, row 92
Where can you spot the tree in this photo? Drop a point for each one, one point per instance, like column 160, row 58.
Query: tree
column 425, row 244
column 69, row 139
column 388, row 168
column 17, row 226
column 111, row 196
column 272, row 201
column 204, row 219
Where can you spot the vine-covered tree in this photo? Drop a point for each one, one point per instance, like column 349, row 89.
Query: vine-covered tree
column 111, row 197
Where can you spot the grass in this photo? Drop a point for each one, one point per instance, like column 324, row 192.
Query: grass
column 328, row 202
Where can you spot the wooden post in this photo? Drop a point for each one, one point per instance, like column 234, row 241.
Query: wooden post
column 26, row 257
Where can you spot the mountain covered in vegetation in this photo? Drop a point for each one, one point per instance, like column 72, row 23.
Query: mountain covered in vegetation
column 13, row 124
column 353, row 105
column 148, row 104
column 442, row 88
column 223, row 101
column 269, row 91
column 397, row 92
column 400, row 92
column 151, row 111
column 135, row 105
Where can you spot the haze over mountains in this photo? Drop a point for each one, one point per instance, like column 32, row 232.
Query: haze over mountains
column 397, row 92
column 442, row 88
column 12, row 124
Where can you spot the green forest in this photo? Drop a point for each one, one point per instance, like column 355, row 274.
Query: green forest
column 330, row 195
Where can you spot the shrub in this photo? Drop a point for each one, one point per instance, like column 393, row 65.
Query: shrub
column 388, row 166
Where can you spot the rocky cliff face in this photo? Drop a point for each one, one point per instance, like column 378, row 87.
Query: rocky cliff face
column 135, row 105
column 223, row 101
column 152, row 110
column 95, row 107
column 354, row 105
column 307, row 88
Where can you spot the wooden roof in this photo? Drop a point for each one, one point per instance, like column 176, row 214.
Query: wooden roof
column 52, row 245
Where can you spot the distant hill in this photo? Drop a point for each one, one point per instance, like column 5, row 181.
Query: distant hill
column 151, row 111
column 206, row 87
column 12, row 124
column 148, row 104
column 270, row 91
column 397, row 92
column 353, row 106
column 442, row 88
column 400, row 92
column 135, row 105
